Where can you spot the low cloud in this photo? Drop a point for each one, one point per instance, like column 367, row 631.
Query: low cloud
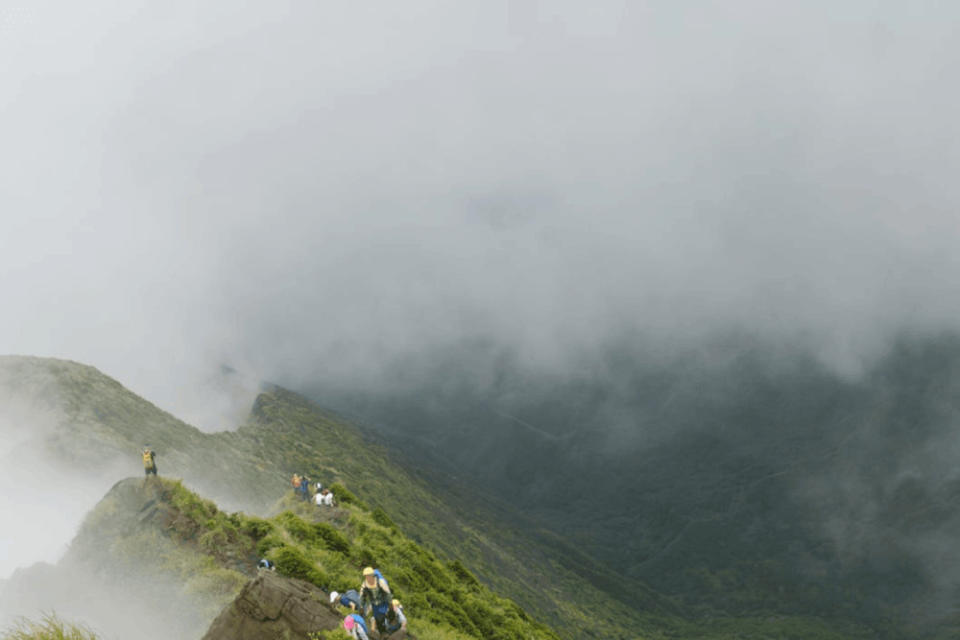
column 315, row 191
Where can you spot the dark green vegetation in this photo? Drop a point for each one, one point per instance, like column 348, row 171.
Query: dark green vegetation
column 739, row 479
column 423, row 527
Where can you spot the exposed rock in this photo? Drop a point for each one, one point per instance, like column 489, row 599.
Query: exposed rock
column 271, row 606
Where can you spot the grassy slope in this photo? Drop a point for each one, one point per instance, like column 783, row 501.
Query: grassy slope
column 149, row 528
column 49, row 628
column 285, row 433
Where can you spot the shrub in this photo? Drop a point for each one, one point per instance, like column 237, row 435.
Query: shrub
column 213, row 540
column 296, row 526
column 272, row 541
column 343, row 495
column 380, row 517
column 293, row 563
column 331, row 538
column 364, row 557
column 254, row 527
column 463, row 574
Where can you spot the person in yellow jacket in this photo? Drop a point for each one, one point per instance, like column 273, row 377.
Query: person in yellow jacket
column 149, row 461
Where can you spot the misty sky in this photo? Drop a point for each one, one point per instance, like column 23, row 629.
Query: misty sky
column 313, row 186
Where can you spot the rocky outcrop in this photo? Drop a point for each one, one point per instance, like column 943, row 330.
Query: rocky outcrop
column 271, row 606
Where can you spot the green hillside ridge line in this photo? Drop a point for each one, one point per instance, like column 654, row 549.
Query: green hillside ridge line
column 325, row 547
column 285, row 433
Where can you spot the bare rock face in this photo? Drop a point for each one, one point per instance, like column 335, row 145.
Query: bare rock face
column 271, row 606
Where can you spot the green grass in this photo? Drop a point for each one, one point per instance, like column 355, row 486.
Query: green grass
column 442, row 600
column 48, row 628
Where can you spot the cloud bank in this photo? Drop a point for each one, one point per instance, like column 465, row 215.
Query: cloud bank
column 307, row 190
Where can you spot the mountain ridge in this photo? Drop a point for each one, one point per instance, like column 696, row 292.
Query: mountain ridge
column 286, row 433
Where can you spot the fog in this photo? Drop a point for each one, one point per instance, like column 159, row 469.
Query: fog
column 43, row 498
column 302, row 190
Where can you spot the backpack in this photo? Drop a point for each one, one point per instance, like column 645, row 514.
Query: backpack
column 360, row 621
column 351, row 596
column 379, row 575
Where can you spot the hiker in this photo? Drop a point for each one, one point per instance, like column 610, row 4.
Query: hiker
column 266, row 564
column 324, row 498
column 149, row 461
column 295, row 481
column 350, row 599
column 395, row 620
column 375, row 596
column 356, row 627
column 319, row 486
column 305, row 487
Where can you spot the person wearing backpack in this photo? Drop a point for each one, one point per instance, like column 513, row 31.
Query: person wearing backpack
column 356, row 627
column 349, row 599
column 149, row 461
column 395, row 619
column 375, row 596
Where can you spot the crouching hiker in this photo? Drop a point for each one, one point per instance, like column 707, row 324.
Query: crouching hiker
column 149, row 461
column 356, row 627
column 375, row 597
column 266, row 564
column 394, row 620
column 349, row 599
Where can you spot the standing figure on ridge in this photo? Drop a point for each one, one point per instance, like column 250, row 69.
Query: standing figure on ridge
column 295, row 481
column 149, row 461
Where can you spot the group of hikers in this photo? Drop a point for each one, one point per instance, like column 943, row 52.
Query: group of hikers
column 373, row 611
column 373, row 601
column 322, row 497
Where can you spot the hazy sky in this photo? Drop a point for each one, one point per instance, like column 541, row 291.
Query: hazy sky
column 293, row 187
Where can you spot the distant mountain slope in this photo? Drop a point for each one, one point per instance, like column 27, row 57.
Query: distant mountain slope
column 92, row 424
column 736, row 476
